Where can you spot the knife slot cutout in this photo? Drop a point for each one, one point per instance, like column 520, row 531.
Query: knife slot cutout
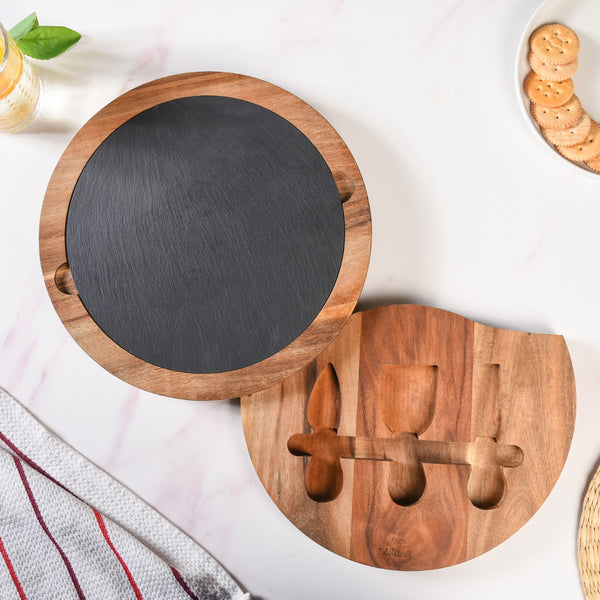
column 408, row 397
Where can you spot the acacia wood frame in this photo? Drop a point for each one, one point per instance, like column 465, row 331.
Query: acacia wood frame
column 304, row 348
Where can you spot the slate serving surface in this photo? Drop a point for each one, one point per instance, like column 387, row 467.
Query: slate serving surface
column 205, row 234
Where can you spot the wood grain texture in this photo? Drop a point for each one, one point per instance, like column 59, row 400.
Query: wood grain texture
column 310, row 342
column 491, row 448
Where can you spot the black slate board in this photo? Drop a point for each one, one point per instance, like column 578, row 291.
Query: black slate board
column 205, row 234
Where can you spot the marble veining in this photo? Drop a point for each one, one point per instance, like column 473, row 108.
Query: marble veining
column 469, row 215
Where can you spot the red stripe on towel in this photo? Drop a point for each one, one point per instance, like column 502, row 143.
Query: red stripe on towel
column 102, row 526
column 12, row 571
column 38, row 514
column 183, row 584
column 30, row 462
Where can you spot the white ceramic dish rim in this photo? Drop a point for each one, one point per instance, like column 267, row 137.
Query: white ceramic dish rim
column 542, row 15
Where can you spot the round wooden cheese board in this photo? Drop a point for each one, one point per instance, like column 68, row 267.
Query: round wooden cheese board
column 205, row 235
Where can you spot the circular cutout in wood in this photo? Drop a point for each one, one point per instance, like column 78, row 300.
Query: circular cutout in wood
column 205, row 235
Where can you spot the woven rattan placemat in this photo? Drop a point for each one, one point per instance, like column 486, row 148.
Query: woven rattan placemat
column 589, row 540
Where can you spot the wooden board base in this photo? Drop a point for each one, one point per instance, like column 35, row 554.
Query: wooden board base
column 417, row 440
column 167, row 373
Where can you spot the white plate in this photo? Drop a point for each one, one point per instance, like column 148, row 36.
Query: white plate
column 583, row 17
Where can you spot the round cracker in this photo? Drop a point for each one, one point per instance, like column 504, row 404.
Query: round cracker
column 547, row 93
column 572, row 135
column 561, row 117
column 594, row 163
column 555, row 43
column 551, row 72
column 587, row 150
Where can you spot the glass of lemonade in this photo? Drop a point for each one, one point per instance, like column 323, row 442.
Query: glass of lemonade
column 20, row 87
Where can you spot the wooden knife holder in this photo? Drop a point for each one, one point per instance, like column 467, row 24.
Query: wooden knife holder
column 407, row 403
column 418, row 439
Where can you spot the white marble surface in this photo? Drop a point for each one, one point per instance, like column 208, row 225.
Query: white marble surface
column 469, row 214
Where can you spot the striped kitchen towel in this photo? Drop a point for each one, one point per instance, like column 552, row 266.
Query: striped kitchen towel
column 69, row 530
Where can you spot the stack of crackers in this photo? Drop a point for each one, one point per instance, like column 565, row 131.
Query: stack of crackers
column 554, row 105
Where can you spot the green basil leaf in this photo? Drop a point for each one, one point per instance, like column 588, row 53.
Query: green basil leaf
column 23, row 27
column 46, row 42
